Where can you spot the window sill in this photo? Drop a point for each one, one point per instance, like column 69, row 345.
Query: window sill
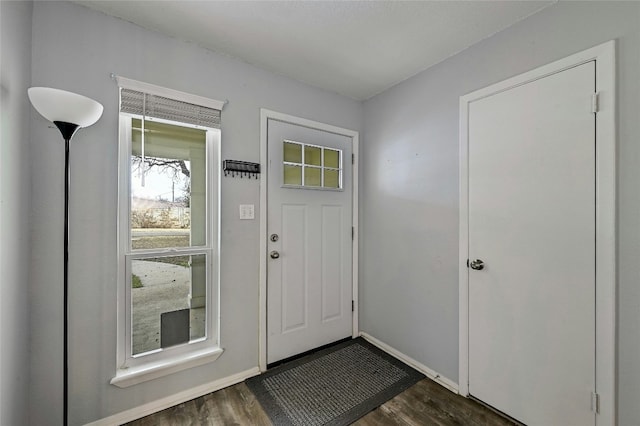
column 126, row 377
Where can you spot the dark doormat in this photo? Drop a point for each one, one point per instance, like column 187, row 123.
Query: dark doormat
column 334, row 386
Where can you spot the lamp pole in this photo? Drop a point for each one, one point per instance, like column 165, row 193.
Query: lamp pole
column 69, row 112
column 67, row 130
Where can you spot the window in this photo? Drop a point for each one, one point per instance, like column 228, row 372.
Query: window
column 168, row 234
column 311, row 166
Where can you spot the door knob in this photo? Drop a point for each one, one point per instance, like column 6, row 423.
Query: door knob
column 476, row 264
column 274, row 254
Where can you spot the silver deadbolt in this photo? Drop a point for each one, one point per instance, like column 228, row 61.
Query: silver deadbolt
column 476, row 264
column 274, row 237
column 274, row 254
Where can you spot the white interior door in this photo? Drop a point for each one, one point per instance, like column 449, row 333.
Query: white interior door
column 532, row 223
column 309, row 223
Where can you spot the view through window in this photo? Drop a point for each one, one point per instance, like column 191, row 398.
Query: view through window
column 168, row 293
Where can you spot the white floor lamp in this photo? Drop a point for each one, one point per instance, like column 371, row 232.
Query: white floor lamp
column 69, row 112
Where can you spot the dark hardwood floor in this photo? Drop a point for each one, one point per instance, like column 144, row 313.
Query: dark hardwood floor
column 425, row 403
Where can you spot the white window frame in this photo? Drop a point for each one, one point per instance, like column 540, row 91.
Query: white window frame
column 131, row 370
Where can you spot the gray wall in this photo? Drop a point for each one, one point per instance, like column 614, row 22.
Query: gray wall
column 15, row 188
column 409, row 198
column 75, row 48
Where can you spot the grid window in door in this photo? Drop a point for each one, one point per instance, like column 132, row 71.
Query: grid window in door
column 311, row 166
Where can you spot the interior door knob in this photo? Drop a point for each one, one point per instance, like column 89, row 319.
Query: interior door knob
column 476, row 264
column 274, row 254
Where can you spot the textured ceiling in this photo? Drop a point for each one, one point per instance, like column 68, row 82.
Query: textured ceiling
column 355, row 48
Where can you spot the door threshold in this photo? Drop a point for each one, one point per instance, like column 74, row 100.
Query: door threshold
column 498, row 412
column 309, row 352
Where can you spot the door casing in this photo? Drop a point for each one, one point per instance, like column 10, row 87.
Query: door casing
column 265, row 116
column 604, row 56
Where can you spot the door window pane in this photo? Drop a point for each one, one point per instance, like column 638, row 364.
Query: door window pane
column 313, row 155
column 331, row 178
column 292, row 175
column 292, row 152
column 312, row 176
column 331, row 158
column 168, row 301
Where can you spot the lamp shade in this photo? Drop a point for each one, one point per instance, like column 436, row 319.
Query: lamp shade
column 67, row 107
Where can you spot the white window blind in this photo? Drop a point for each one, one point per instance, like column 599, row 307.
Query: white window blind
column 150, row 105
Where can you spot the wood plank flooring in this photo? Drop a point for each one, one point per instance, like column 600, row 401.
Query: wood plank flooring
column 425, row 403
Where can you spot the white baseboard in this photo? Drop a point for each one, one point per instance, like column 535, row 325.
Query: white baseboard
column 178, row 398
column 438, row 378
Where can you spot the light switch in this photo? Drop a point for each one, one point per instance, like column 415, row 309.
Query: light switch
column 247, row 211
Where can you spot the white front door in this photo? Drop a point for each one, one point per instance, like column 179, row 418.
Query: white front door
column 532, row 224
column 309, row 241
